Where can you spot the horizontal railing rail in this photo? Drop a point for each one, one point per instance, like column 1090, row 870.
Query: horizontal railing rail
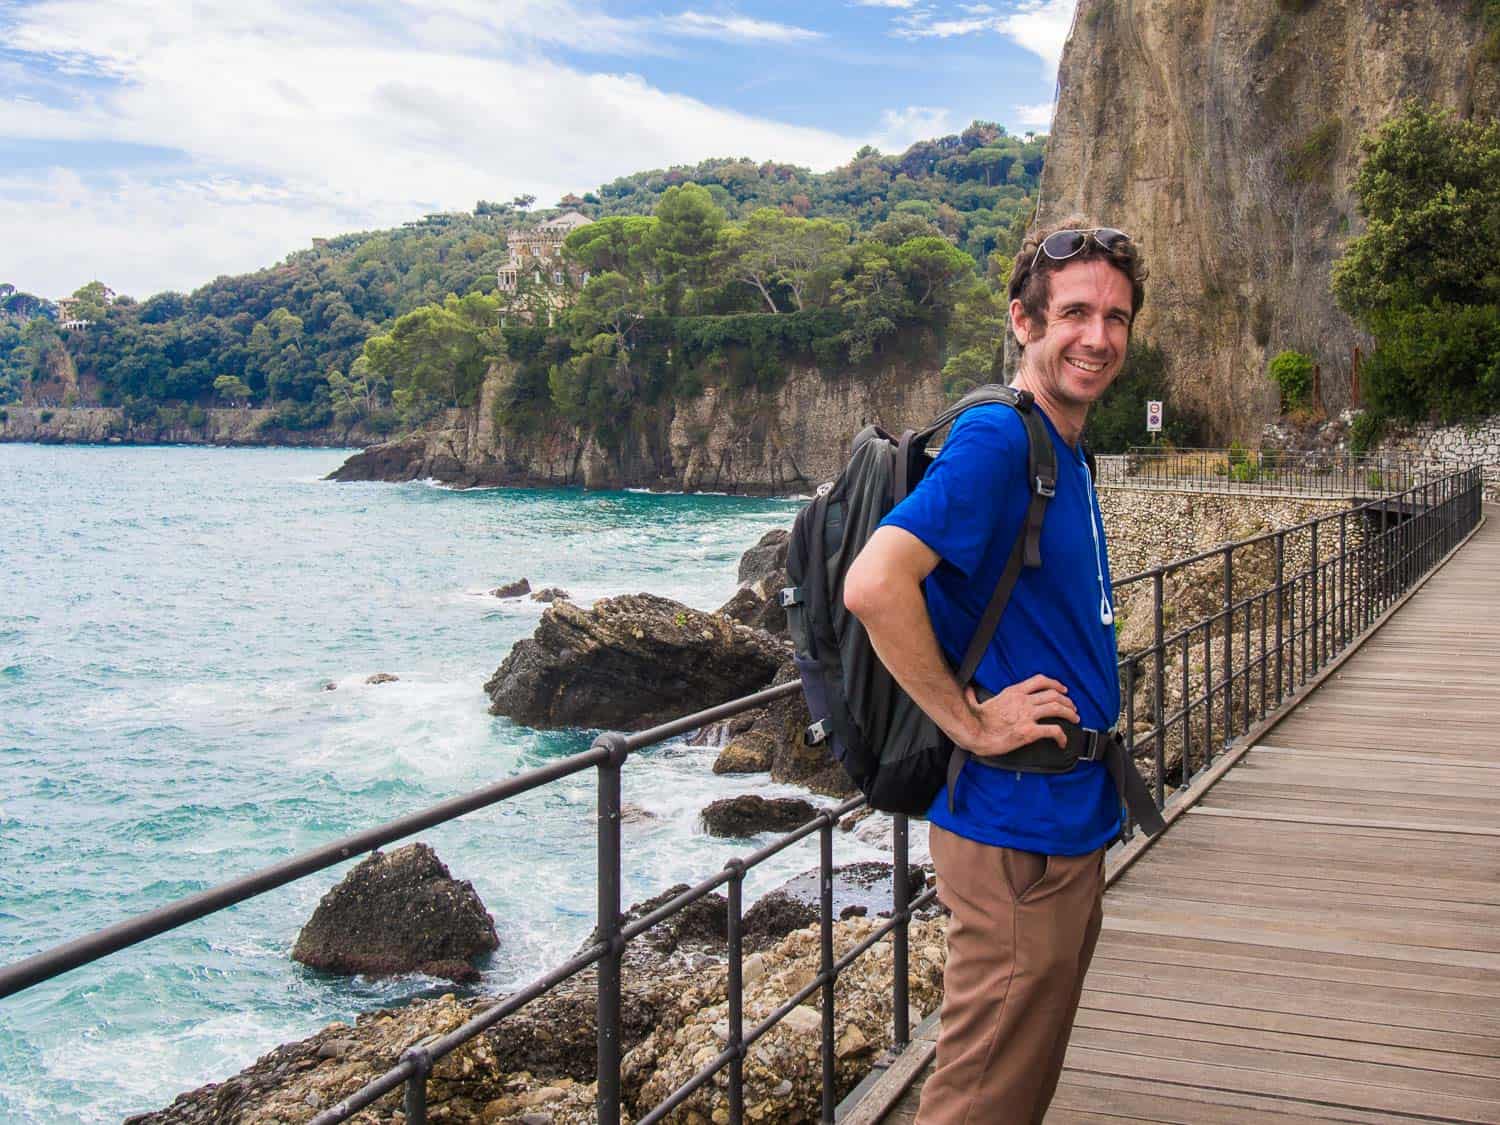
column 1338, row 475
column 1271, row 610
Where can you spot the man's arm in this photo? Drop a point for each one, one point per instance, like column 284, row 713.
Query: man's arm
column 884, row 590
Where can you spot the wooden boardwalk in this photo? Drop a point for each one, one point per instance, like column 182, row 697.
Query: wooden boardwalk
column 1319, row 938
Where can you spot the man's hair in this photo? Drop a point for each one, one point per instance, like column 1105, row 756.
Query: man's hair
column 1033, row 286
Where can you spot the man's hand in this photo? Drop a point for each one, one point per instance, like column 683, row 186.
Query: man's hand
column 1015, row 717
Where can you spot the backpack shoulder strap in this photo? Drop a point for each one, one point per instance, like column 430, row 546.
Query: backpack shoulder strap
column 1041, row 463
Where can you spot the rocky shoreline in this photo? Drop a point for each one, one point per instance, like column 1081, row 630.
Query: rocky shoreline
column 107, row 425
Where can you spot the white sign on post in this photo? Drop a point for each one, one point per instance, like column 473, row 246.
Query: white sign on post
column 1153, row 417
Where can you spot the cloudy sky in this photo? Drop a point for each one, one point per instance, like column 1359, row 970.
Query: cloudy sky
column 155, row 144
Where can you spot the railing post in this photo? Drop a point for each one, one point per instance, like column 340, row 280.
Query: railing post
column 1315, row 573
column 1343, row 610
column 825, row 965
column 1279, row 587
column 736, row 992
column 1229, row 645
column 900, row 947
column 1129, row 733
column 1158, row 685
column 608, row 879
column 415, row 1102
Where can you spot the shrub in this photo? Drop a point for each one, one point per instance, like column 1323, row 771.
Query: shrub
column 1245, row 471
column 1441, row 360
column 4, row 417
column 1292, row 373
column 1312, row 159
column 1375, row 481
column 197, row 417
column 1118, row 420
column 45, row 416
column 1365, row 431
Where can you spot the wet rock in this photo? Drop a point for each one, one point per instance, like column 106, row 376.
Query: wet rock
column 512, row 589
column 629, row 662
column 751, row 752
column 396, row 913
column 859, row 889
column 701, row 926
column 766, row 558
column 749, row 815
column 380, row 678
column 330, row 686
column 551, row 594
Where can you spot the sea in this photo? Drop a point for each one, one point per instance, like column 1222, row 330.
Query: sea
column 170, row 621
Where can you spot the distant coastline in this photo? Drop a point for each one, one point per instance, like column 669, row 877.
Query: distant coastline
column 108, row 425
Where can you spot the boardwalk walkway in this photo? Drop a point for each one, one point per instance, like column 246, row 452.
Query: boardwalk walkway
column 1319, row 939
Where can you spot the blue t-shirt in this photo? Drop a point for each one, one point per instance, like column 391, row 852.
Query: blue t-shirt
column 969, row 509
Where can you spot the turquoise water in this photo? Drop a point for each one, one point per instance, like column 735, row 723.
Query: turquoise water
column 168, row 620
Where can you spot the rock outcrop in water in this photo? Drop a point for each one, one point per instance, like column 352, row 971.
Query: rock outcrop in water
column 399, row 912
column 629, row 663
column 781, row 442
column 1224, row 136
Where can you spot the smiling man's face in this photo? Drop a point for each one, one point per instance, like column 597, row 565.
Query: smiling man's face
column 1080, row 348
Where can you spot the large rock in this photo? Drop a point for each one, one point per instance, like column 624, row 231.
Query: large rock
column 766, row 558
column 397, row 913
column 750, row 814
column 628, row 663
column 762, row 575
column 775, row 736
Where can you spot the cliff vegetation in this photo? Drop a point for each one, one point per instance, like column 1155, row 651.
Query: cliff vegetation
column 291, row 338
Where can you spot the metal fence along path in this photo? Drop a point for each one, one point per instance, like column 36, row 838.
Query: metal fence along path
column 1210, row 659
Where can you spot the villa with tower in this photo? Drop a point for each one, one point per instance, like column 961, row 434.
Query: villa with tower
column 536, row 278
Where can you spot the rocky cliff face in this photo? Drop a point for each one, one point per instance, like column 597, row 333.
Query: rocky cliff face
column 1224, row 135
column 99, row 425
column 786, row 441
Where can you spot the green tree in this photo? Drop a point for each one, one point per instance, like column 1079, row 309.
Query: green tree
column 1424, row 277
column 934, row 269
column 682, row 243
column 93, row 299
column 438, row 354
column 232, row 389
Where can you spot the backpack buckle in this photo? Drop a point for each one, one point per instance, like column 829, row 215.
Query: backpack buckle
column 816, row 734
column 1046, row 488
column 790, row 596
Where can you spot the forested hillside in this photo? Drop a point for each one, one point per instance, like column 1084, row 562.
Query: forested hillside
column 294, row 335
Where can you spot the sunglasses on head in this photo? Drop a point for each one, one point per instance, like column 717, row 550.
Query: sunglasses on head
column 1061, row 245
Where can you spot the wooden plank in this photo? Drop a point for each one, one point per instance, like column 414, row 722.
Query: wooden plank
column 1316, row 1023
column 1166, row 953
column 1392, row 825
column 1298, row 1001
column 1305, row 940
column 1328, row 1091
column 1213, row 1105
column 1286, row 1064
column 1235, row 1034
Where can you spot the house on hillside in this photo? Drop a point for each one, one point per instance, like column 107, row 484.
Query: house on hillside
column 536, row 279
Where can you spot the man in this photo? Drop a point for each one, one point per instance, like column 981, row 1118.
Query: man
column 1019, row 855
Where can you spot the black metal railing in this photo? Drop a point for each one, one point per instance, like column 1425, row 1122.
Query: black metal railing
column 1343, row 476
column 1214, row 643
column 1273, row 610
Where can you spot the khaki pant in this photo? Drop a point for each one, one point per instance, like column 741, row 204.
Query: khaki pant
column 1020, row 940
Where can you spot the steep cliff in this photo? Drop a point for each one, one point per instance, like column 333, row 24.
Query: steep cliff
column 785, row 441
column 100, row 425
column 1224, row 135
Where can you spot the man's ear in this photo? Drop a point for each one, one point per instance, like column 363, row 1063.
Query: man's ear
column 1020, row 323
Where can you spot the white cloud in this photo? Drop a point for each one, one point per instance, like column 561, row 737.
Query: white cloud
column 900, row 127
column 739, row 28
column 1040, row 26
column 296, row 120
column 1037, row 117
column 899, row 4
